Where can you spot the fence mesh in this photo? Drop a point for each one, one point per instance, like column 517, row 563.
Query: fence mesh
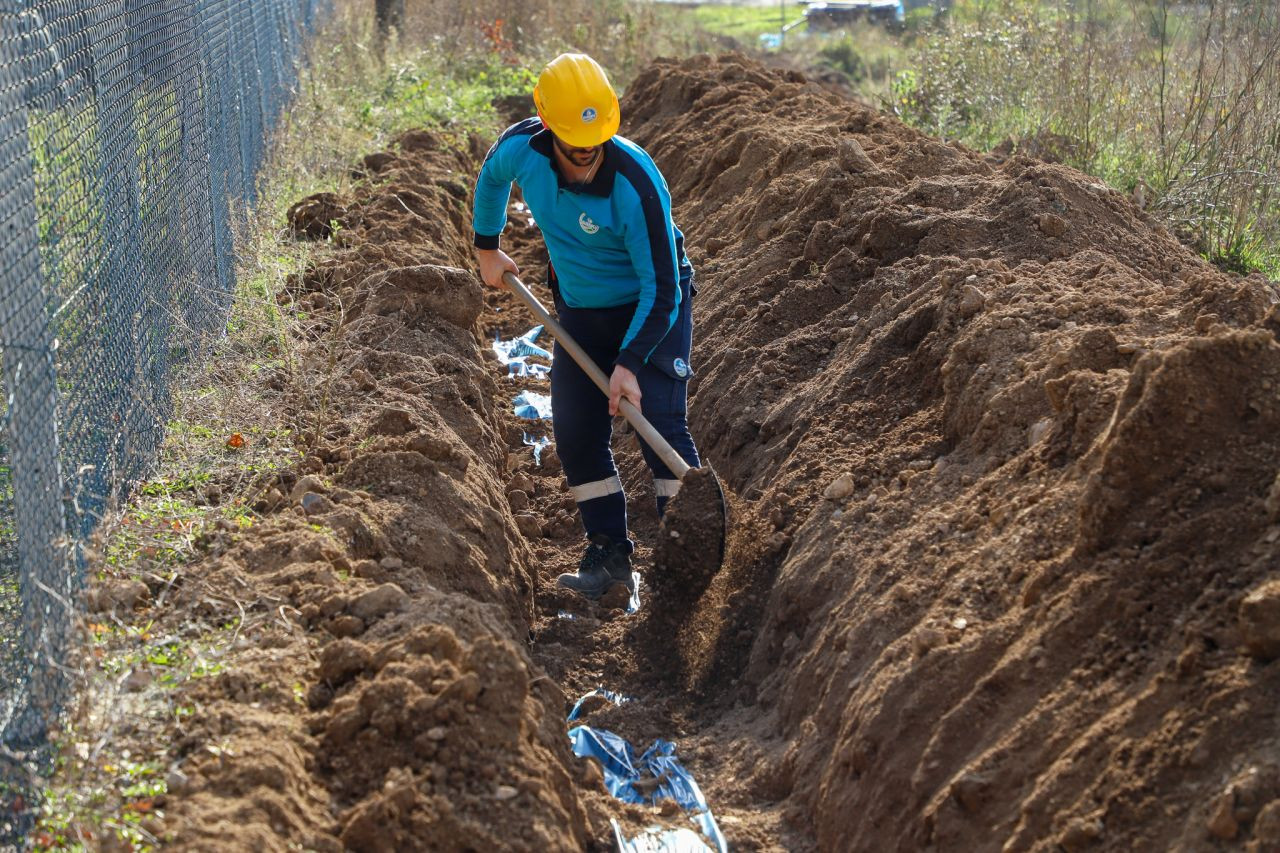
column 130, row 130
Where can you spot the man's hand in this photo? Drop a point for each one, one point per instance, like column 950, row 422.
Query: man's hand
column 623, row 384
column 493, row 263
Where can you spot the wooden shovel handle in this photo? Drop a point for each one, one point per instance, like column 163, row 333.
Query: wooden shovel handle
column 646, row 430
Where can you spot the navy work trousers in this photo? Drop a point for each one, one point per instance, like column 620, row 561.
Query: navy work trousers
column 580, row 411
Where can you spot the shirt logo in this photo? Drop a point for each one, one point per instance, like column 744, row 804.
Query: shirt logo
column 589, row 115
column 681, row 369
column 585, row 223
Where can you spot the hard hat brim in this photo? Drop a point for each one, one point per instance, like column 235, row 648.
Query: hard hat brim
column 579, row 135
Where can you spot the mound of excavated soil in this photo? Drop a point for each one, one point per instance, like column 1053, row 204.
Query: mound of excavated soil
column 1003, row 567
column 1009, row 457
column 380, row 695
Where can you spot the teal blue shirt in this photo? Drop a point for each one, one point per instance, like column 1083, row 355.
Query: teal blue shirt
column 612, row 241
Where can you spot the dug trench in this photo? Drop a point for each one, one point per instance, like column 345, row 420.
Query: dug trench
column 1003, row 567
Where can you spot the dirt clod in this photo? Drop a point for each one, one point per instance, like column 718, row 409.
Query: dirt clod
column 117, row 594
column 314, row 217
column 839, row 488
column 343, row 659
column 379, row 601
column 309, row 483
column 1260, row 621
column 1266, row 829
column 1222, row 820
column 1052, row 225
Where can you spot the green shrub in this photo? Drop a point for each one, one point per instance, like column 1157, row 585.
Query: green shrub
column 844, row 57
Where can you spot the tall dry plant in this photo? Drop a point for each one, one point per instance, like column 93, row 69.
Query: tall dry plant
column 1178, row 101
column 622, row 34
column 1219, row 137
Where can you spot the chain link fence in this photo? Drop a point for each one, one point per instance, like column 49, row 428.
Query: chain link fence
column 130, row 132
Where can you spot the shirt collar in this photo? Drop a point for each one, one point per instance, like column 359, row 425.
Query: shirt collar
column 601, row 185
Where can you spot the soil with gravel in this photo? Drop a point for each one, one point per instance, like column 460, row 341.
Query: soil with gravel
column 1001, row 573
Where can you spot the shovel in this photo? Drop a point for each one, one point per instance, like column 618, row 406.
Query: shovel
column 691, row 538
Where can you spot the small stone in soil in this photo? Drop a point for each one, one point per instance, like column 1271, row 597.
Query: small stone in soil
column 1260, row 621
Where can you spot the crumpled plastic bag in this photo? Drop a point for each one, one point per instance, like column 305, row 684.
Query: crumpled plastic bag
column 532, row 405
column 515, row 354
column 656, row 774
column 538, row 444
column 658, row 840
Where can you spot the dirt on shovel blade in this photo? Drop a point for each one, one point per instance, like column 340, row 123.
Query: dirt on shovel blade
column 690, row 546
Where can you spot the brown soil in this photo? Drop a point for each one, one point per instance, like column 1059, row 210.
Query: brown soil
column 390, row 702
column 1007, row 458
column 1014, row 625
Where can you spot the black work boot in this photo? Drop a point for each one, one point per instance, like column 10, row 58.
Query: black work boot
column 602, row 566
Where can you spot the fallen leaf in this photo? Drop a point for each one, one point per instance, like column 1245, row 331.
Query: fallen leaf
column 235, row 442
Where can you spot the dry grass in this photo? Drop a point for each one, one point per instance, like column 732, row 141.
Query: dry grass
column 1179, row 103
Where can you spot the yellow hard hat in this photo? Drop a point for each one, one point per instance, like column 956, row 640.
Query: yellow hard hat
column 575, row 100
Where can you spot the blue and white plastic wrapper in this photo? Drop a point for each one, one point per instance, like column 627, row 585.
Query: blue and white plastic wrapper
column 622, row 768
column 515, row 354
column 615, row 698
column 658, row 840
column 537, row 444
column 533, row 406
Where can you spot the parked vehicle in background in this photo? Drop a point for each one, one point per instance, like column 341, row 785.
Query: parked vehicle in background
column 834, row 14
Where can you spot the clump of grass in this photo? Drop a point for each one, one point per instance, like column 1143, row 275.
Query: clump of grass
column 745, row 23
column 868, row 55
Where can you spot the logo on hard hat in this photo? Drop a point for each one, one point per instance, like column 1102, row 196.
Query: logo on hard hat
column 679, row 366
column 589, row 115
column 586, row 224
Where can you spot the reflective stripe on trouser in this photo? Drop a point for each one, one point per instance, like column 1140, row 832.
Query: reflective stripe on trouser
column 580, row 412
column 598, row 489
column 666, row 488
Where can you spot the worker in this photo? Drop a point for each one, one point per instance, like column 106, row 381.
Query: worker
column 622, row 287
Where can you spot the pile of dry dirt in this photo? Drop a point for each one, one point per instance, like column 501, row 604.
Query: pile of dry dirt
column 380, row 695
column 1009, row 457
